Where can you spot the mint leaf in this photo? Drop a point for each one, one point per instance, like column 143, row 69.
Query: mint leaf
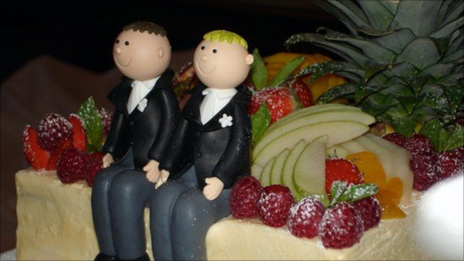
column 286, row 71
column 92, row 123
column 358, row 192
column 258, row 71
column 443, row 139
column 260, row 121
column 337, row 189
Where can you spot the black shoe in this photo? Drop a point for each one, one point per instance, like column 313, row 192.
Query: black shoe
column 145, row 257
column 103, row 257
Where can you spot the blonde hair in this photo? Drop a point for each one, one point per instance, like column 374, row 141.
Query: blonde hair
column 223, row 35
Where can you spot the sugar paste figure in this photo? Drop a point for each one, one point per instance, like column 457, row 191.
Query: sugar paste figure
column 212, row 143
column 146, row 111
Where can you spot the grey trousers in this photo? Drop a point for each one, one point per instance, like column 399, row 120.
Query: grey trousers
column 119, row 197
column 180, row 217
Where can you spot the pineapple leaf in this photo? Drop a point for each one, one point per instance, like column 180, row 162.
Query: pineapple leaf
column 454, row 92
column 351, row 20
column 419, row 16
column 449, row 28
column 443, row 139
column 258, row 71
column 372, row 68
column 392, row 6
column 401, row 69
column 338, row 91
column 325, row 68
column 378, row 14
column 437, row 70
column 405, row 125
column 455, row 9
column 421, row 53
column 286, row 71
column 396, row 41
column 442, row 14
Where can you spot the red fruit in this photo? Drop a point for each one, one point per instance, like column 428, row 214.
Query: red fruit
column 55, row 155
column 424, row 171
column 279, row 101
column 396, row 138
column 53, row 130
column 94, row 167
column 341, row 226
column 79, row 136
column 72, row 165
column 305, row 217
column 35, row 155
column 106, row 117
column 274, row 205
column 450, row 162
column 418, row 143
column 243, row 197
column 342, row 170
column 370, row 211
column 302, row 92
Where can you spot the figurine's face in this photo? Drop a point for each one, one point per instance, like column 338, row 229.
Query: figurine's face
column 141, row 56
column 221, row 65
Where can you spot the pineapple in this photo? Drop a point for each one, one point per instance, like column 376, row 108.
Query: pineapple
column 404, row 61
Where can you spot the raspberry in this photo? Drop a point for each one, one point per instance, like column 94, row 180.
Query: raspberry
column 53, row 130
column 417, row 144
column 72, row 165
column 94, row 167
column 274, row 205
column 450, row 162
column 396, row 138
column 370, row 211
column 106, row 117
column 423, row 168
column 243, row 197
column 341, row 227
column 305, row 217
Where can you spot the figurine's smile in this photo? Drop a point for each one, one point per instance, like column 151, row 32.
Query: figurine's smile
column 121, row 64
column 203, row 71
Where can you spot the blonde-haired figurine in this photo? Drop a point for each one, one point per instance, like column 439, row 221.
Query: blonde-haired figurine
column 210, row 150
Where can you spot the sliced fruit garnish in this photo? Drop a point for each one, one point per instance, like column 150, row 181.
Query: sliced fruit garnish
column 35, row 155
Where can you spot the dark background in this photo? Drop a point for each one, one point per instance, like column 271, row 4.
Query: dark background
column 83, row 33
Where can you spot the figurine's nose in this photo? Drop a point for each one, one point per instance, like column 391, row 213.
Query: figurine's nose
column 117, row 50
column 204, row 58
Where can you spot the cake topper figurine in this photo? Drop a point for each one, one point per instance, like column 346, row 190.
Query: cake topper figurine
column 146, row 112
column 210, row 150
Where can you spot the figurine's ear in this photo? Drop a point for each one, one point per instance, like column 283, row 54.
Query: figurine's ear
column 249, row 59
column 160, row 52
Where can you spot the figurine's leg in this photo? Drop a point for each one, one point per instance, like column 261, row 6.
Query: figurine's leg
column 161, row 206
column 193, row 215
column 101, row 208
column 129, row 194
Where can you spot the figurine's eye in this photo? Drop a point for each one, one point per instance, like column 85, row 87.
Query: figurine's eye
column 202, row 48
column 214, row 51
column 117, row 41
column 126, row 43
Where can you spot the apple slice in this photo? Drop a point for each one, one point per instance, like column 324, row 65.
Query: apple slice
column 337, row 131
column 325, row 116
column 353, row 146
column 277, row 167
column 289, row 166
column 337, row 150
column 256, row 171
column 266, row 174
column 309, row 172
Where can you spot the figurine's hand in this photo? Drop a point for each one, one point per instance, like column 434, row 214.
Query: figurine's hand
column 163, row 177
column 213, row 188
column 152, row 171
column 107, row 160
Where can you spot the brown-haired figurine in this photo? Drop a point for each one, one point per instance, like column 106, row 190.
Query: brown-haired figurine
column 146, row 112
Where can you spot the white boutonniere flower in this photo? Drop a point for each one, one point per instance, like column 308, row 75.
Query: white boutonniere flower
column 225, row 121
column 142, row 105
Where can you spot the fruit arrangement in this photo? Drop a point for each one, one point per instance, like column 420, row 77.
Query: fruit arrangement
column 71, row 146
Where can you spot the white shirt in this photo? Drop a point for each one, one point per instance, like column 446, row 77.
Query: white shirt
column 214, row 101
column 139, row 90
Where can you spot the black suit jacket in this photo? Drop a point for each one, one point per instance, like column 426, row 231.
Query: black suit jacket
column 213, row 150
column 147, row 132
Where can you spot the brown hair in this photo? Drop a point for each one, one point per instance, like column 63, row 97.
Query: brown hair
column 143, row 26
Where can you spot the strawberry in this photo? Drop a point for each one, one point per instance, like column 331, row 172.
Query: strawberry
column 243, row 197
column 450, row 162
column 302, row 92
column 72, row 165
column 274, row 205
column 35, row 155
column 396, row 138
column 53, row 130
column 305, row 217
column 279, row 100
column 341, row 227
column 370, row 211
column 339, row 169
column 79, row 136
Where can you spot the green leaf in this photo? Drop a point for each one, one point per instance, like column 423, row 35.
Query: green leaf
column 286, row 71
column 420, row 16
column 396, row 41
column 336, row 92
column 446, row 30
column 379, row 16
column 357, row 192
column 443, row 139
column 258, row 71
column 421, row 53
column 337, row 189
column 92, row 123
column 405, row 125
column 260, row 121
column 454, row 92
